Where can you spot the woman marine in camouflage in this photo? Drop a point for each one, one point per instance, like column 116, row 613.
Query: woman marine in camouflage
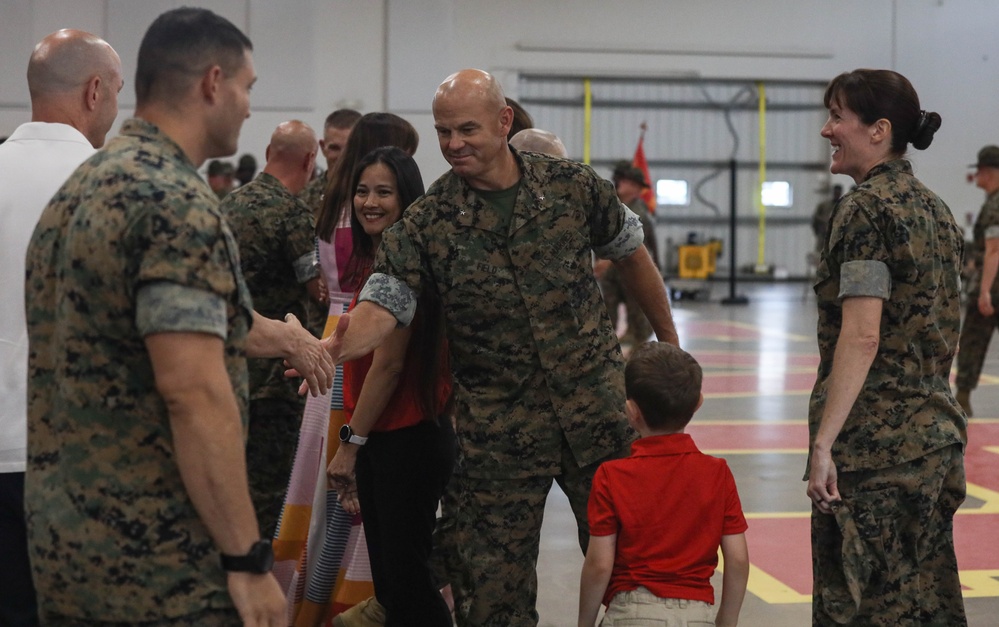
column 886, row 460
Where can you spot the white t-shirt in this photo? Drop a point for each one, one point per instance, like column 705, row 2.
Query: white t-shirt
column 34, row 163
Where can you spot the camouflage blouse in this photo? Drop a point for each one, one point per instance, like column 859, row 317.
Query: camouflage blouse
column 894, row 239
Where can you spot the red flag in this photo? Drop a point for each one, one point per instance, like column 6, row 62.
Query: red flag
column 639, row 161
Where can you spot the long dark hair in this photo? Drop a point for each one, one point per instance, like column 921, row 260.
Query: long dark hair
column 372, row 131
column 428, row 325
column 876, row 94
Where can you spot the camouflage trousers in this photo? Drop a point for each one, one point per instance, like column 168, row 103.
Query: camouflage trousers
column 270, row 453
column 205, row 618
column 497, row 530
column 615, row 292
column 886, row 558
column 976, row 333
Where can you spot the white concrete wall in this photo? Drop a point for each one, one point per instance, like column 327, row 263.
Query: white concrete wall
column 316, row 55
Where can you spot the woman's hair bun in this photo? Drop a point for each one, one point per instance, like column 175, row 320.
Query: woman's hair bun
column 926, row 127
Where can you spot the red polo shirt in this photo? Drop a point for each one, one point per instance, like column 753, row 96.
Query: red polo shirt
column 669, row 505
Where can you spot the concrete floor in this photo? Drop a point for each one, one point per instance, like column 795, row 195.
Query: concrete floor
column 759, row 362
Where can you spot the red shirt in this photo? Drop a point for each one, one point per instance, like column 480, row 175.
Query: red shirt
column 669, row 505
column 404, row 409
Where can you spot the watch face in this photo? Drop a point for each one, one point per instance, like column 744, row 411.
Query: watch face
column 262, row 554
column 345, row 433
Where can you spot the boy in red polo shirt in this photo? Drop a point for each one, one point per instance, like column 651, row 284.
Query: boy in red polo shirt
column 658, row 517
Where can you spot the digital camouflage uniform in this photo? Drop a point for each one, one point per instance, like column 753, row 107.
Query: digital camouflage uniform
column 312, row 193
column 614, row 291
column 976, row 333
column 113, row 535
column 538, row 374
column 899, row 455
column 312, row 196
column 276, row 236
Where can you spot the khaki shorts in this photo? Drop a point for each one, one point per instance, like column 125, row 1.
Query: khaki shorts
column 640, row 607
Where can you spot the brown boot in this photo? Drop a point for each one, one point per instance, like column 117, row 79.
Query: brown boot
column 367, row 613
column 964, row 400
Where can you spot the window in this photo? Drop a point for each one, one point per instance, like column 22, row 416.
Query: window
column 776, row 194
column 672, row 192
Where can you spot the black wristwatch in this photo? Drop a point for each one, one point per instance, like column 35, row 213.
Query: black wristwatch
column 258, row 560
column 347, row 435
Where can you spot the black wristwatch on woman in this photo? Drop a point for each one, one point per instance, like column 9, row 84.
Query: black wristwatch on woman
column 258, row 560
column 347, row 435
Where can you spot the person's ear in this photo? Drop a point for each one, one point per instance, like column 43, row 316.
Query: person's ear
column 634, row 413
column 700, row 401
column 211, row 82
column 506, row 119
column 881, row 131
column 92, row 95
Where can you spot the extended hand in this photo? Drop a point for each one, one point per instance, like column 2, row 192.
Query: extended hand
column 309, row 359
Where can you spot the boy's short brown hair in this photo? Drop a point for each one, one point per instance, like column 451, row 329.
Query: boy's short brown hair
column 665, row 382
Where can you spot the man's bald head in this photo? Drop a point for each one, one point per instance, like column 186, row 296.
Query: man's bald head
column 74, row 78
column 291, row 155
column 66, row 59
column 472, row 121
column 292, row 138
column 477, row 85
column 537, row 140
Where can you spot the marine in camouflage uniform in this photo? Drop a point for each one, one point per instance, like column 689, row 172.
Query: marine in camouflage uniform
column 976, row 333
column 312, row 193
column 612, row 286
column 112, row 533
column 538, row 374
column 276, row 236
column 887, row 556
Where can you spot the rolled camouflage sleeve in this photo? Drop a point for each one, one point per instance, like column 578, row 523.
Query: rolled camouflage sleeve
column 398, row 272
column 628, row 240
column 864, row 278
column 306, row 267
column 392, row 294
column 170, row 308
column 992, row 232
column 864, row 269
column 615, row 230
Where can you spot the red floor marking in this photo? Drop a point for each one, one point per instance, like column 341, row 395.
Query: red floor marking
column 782, row 547
column 713, row 360
column 749, row 382
column 980, row 465
column 749, row 437
column 728, row 330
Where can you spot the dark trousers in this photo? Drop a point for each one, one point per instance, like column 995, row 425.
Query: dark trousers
column 976, row 333
column 17, row 593
column 401, row 476
column 270, row 453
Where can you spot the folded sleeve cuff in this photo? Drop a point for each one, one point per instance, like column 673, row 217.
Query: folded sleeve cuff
column 628, row 240
column 392, row 294
column 306, row 267
column 864, row 278
column 164, row 307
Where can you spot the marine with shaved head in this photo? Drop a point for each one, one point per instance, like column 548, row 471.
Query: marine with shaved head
column 538, row 140
column 73, row 80
column 275, row 231
column 505, row 238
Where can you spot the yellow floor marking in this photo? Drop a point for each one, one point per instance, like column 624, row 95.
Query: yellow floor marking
column 980, row 583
